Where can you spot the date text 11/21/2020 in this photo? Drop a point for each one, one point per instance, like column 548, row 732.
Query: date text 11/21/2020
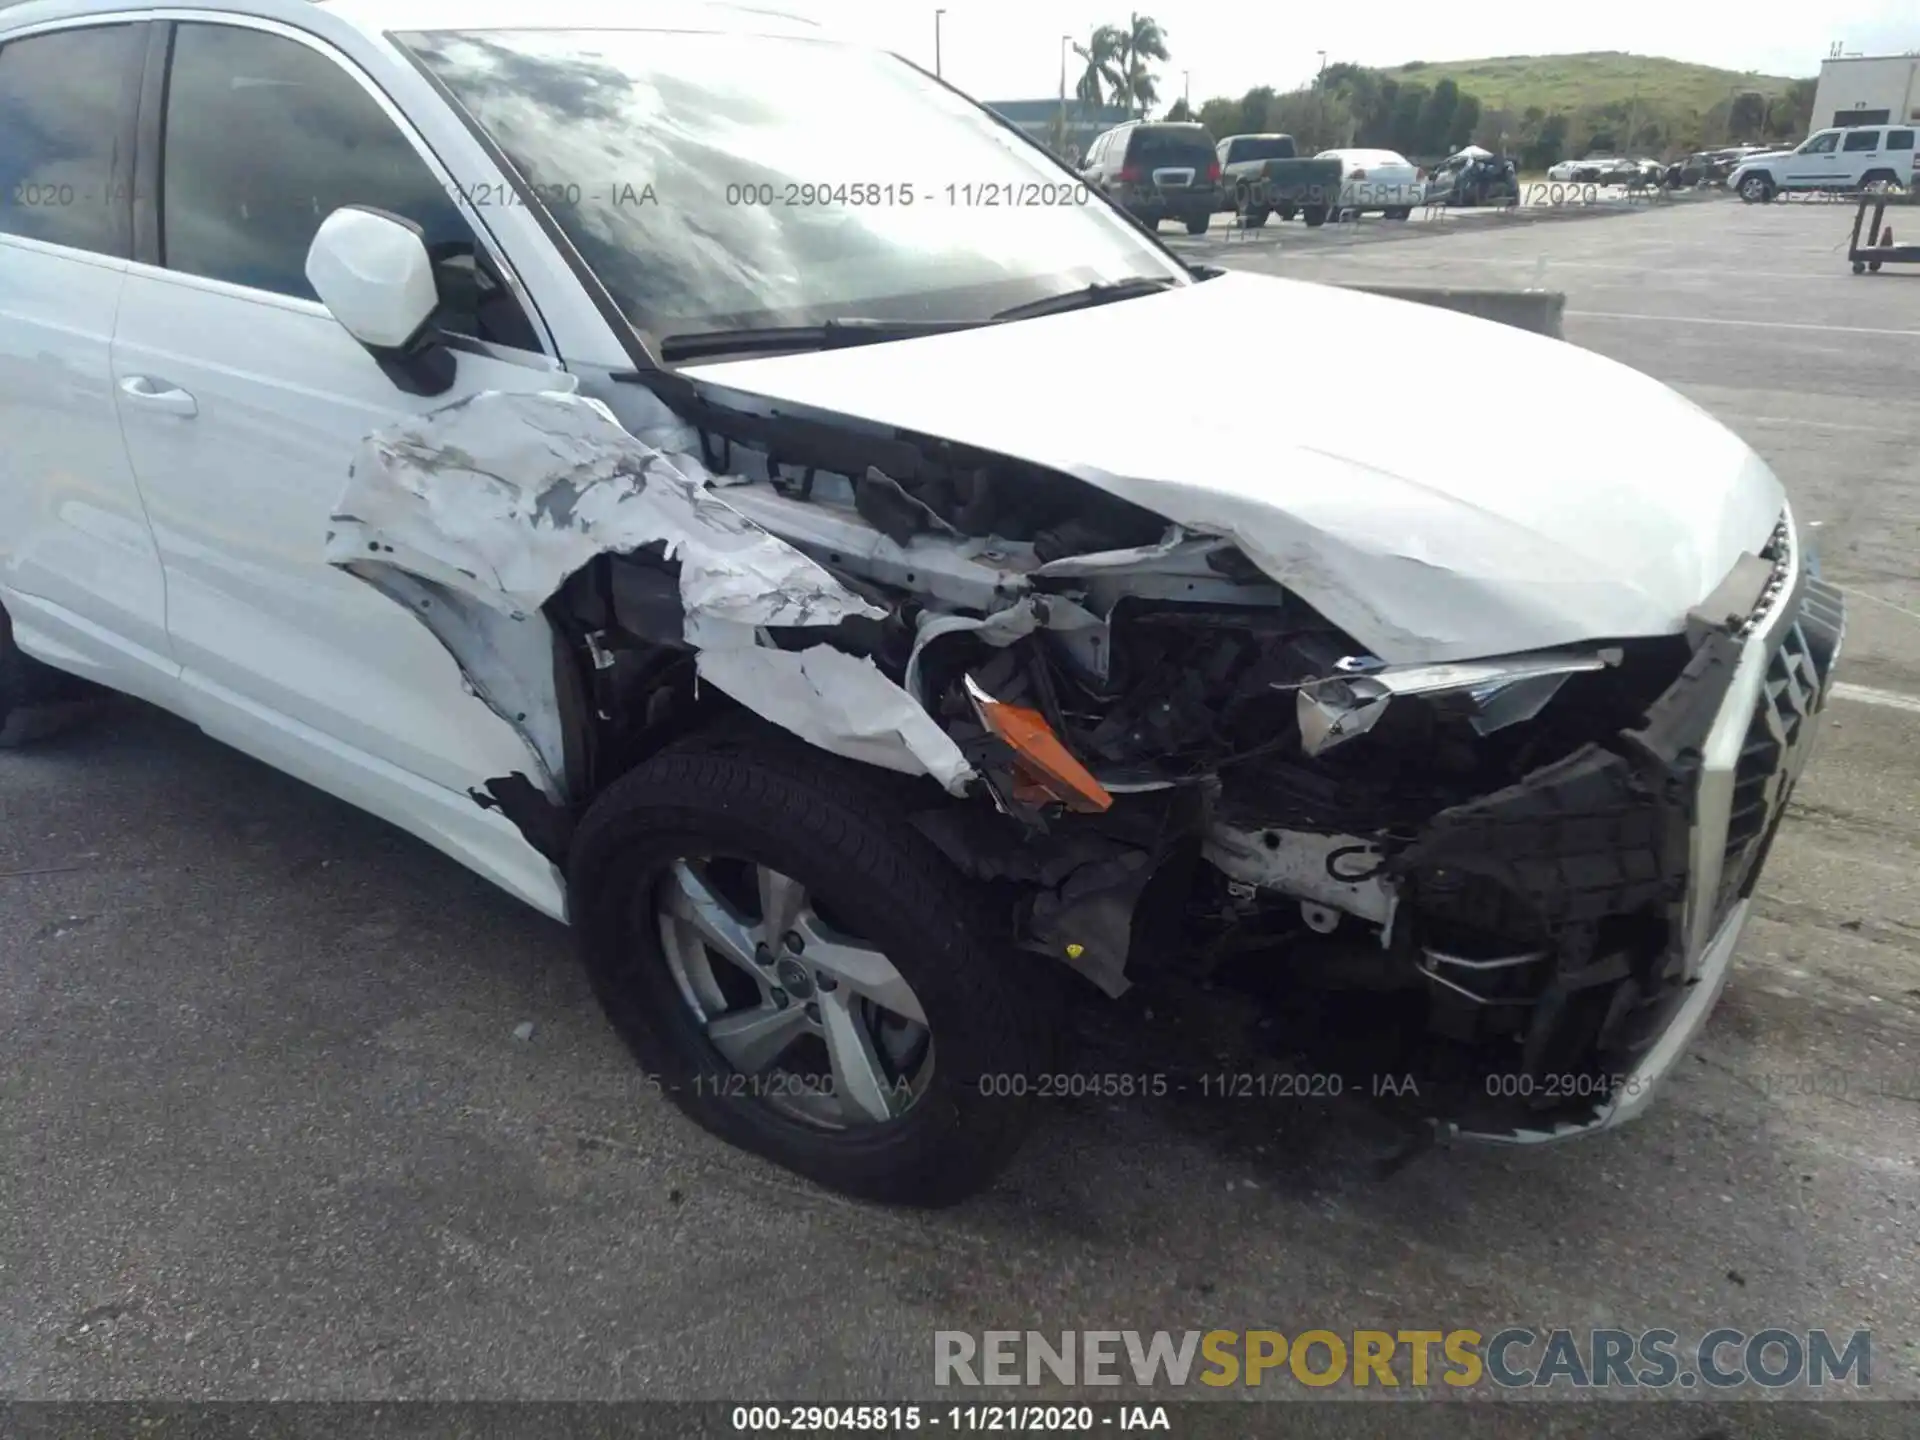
column 789, row 195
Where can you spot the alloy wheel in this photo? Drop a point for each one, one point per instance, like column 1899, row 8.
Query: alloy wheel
column 810, row 1018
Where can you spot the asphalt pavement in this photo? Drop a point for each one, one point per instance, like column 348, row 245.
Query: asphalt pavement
column 292, row 1106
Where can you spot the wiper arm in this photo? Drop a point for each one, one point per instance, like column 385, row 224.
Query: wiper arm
column 830, row 335
column 1098, row 293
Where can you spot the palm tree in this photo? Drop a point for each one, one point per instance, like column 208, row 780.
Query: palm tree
column 1102, row 73
column 1140, row 42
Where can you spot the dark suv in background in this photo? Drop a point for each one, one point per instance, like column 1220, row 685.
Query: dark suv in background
column 1157, row 171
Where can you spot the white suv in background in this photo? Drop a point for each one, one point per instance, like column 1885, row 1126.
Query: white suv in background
column 1841, row 159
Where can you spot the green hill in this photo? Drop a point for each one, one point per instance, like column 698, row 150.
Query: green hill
column 1570, row 83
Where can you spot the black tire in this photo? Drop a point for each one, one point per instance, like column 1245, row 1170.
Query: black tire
column 1314, row 215
column 1757, row 189
column 1885, row 179
column 1859, row 267
column 840, row 829
column 1257, row 217
column 36, row 700
column 1874, row 266
column 1287, row 210
column 1197, row 224
column 1400, row 212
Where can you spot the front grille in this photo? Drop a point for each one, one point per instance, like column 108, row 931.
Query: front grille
column 1798, row 671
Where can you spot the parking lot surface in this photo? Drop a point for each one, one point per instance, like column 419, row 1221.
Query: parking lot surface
column 294, row 1107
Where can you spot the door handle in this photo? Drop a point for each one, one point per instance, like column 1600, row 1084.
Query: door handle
column 158, row 395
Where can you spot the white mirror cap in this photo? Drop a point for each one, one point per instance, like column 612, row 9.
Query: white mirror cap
column 372, row 272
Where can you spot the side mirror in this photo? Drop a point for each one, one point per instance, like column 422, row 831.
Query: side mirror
column 371, row 270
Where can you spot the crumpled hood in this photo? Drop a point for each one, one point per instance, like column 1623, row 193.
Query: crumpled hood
column 1441, row 487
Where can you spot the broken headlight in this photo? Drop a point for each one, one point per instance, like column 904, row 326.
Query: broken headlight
column 1489, row 694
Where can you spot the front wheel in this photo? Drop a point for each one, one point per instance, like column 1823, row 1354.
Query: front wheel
column 802, row 973
column 1197, row 224
column 1314, row 215
column 1756, row 190
column 1288, row 211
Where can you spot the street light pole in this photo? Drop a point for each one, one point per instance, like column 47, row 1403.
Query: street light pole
column 1065, row 41
column 936, row 41
column 1186, row 92
column 1320, row 97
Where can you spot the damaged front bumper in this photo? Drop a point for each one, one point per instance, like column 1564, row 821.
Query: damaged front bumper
column 1651, row 874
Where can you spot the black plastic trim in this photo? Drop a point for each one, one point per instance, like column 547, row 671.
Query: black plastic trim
column 148, row 139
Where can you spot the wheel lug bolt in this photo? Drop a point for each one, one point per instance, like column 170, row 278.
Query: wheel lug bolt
column 794, row 942
column 825, row 983
column 813, row 1012
column 779, row 998
column 762, row 955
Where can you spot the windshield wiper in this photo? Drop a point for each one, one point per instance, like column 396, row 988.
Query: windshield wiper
column 830, row 335
column 1098, row 293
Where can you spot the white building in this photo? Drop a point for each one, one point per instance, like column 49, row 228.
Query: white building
column 1868, row 90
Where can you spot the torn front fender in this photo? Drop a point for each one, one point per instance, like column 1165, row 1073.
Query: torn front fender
column 471, row 518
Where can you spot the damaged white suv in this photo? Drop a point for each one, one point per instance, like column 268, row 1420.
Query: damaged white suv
column 699, row 474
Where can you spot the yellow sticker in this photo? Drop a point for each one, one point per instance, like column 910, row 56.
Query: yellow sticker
column 1075, row 950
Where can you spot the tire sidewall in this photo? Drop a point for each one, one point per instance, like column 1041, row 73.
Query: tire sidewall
column 941, row 955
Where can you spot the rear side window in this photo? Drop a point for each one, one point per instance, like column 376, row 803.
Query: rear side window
column 66, row 120
column 1263, row 147
column 1900, row 140
column 1864, row 140
column 265, row 138
column 1153, row 149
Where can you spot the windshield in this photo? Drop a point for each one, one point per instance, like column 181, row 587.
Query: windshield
column 1155, row 146
column 722, row 181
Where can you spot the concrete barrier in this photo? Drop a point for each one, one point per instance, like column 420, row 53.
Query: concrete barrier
column 1540, row 311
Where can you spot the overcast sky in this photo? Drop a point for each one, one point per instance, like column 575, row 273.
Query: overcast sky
column 1010, row 49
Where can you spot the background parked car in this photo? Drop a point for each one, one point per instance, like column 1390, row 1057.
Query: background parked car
column 1383, row 180
column 1265, row 173
column 1158, row 172
column 1855, row 158
column 1709, row 167
column 1584, row 172
column 1474, row 177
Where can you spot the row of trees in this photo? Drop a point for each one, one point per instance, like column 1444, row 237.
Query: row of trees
column 1350, row 105
column 1353, row 105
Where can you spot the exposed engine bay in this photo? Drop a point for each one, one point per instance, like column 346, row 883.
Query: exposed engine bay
column 1153, row 752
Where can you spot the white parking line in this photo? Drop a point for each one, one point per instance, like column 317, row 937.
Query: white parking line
column 1744, row 324
column 1867, row 695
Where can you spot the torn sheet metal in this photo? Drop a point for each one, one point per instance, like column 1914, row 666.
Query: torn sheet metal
column 1034, row 612
column 843, row 704
column 471, row 517
column 502, row 496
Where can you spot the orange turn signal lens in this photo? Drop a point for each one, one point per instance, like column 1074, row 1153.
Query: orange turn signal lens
column 1046, row 763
